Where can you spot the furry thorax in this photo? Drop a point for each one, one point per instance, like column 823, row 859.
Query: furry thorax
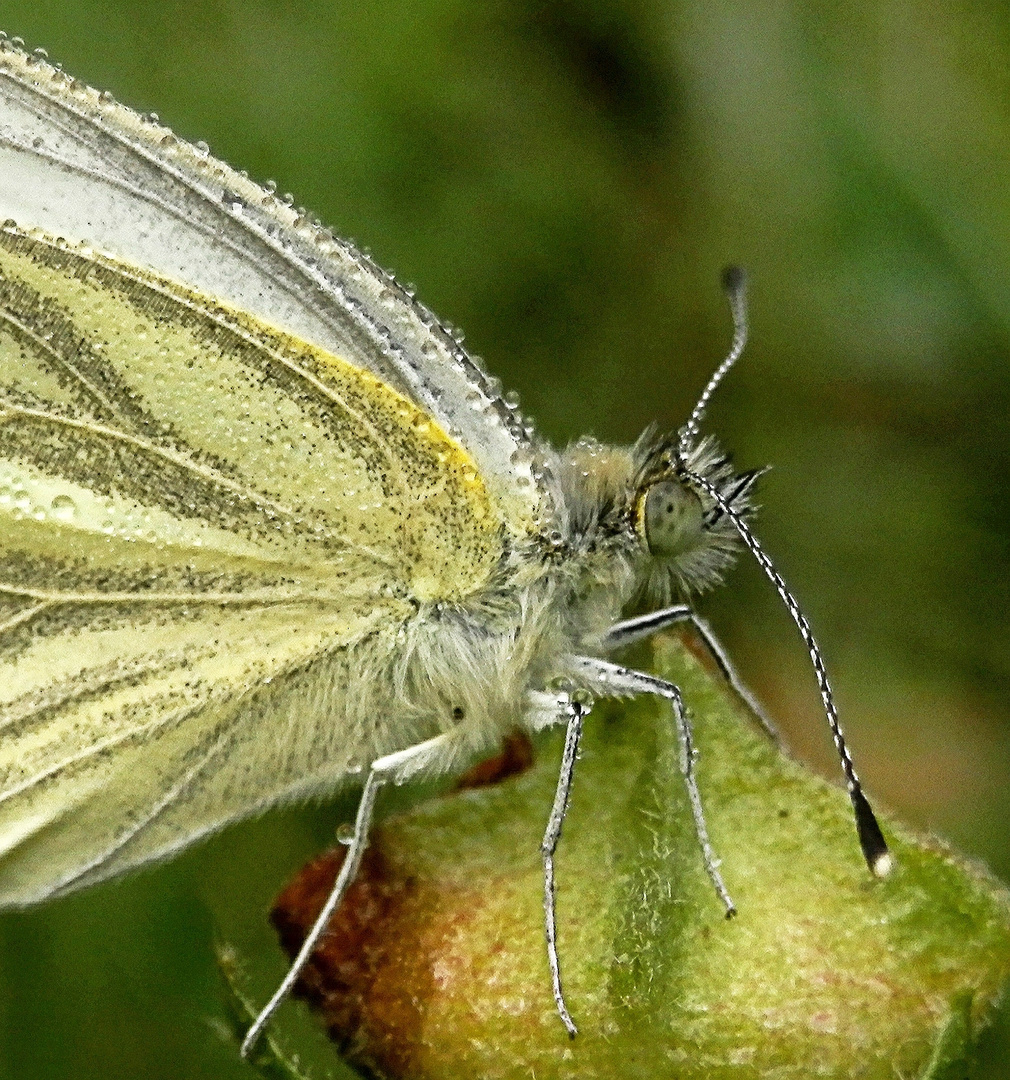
column 482, row 667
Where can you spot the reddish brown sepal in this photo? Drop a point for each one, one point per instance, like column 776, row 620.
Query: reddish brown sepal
column 347, row 980
column 516, row 757
column 371, row 976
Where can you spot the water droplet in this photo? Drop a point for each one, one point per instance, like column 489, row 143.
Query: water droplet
column 345, row 833
column 582, row 698
column 63, row 508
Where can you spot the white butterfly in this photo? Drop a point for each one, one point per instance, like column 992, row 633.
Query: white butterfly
column 265, row 528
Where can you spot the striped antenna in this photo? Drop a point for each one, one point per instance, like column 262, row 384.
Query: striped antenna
column 734, row 283
column 871, row 839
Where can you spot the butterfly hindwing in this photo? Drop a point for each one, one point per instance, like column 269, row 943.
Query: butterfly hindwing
column 201, row 520
column 130, row 729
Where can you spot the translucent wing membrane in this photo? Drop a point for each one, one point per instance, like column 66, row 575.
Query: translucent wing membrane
column 78, row 165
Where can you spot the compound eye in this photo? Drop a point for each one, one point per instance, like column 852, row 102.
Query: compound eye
column 671, row 518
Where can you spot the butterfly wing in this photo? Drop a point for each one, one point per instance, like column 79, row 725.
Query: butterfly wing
column 199, row 517
column 79, row 165
column 130, row 730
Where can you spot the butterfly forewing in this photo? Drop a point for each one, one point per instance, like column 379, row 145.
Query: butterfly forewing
column 78, row 165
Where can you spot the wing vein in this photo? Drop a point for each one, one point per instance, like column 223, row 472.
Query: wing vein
column 322, row 388
column 204, row 472
column 90, row 751
column 188, row 777
column 181, row 460
column 25, row 615
column 251, row 597
column 64, row 362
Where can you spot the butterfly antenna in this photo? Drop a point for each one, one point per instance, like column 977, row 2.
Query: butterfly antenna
column 734, row 283
column 871, row 839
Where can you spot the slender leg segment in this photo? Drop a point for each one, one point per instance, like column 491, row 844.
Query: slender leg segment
column 392, row 767
column 642, row 626
column 615, row 681
column 628, row 631
column 573, row 734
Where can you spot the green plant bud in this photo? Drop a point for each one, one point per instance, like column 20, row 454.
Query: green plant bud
column 435, row 966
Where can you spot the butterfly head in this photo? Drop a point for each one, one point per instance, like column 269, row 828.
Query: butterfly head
column 685, row 536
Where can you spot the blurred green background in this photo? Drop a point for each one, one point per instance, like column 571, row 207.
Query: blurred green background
column 564, row 180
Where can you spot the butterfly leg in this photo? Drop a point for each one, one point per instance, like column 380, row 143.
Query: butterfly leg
column 612, row 680
column 394, row 767
column 629, row 631
column 578, row 708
